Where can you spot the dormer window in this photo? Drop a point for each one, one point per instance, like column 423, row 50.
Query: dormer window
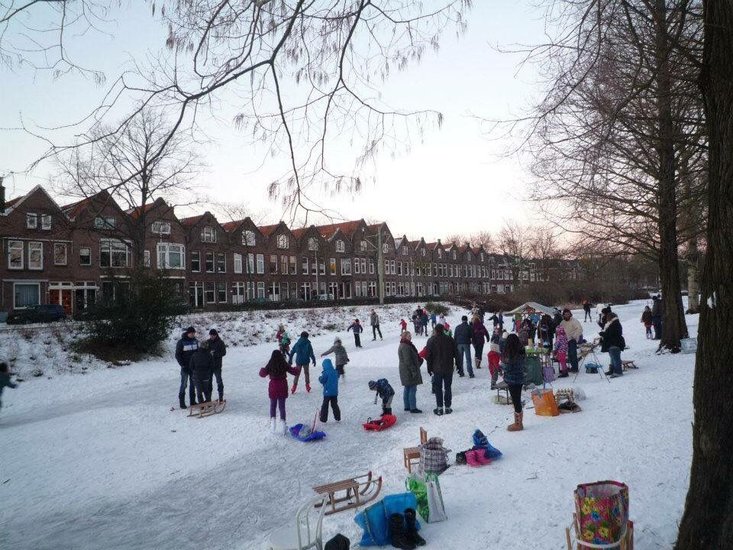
column 454, row 254
column 440, row 254
column 102, row 222
column 312, row 243
column 404, row 250
column 248, row 237
column 422, row 252
column 161, row 228
column 481, row 255
column 282, row 241
column 340, row 246
column 385, row 248
column 31, row 221
column 363, row 246
column 208, row 234
column 46, row 222
column 468, row 256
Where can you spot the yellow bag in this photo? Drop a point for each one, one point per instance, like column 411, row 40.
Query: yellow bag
column 544, row 403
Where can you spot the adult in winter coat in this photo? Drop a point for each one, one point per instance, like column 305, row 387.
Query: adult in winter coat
column 330, row 380
column 218, row 349
column 612, row 341
column 657, row 308
column 340, row 355
column 513, row 366
column 647, row 319
column 374, row 321
column 479, row 335
column 410, row 377
column 546, row 331
column 303, row 352
column 358, row 329
column 462, row 336
column 5, row 380
column 277, row 369
column 586, row 310
column 185, row 348
column 574, row 332
column 202, row 368
column 442, row 353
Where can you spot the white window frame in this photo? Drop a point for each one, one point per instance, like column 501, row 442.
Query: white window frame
column 221, row 267
column 206, row 262
column 164, row 251
column 66, row 253
column 37, row 245
column 105, row 222
column 249, row 238
column 146, row 258
column 283, row 243
column 363, row 246
column 108, row 243
column 37, row 285
column 196, row 256
column 46, row 222
column 260, row 264
column 161, row 227
column 89, row 255
column 237, row 263
column 340, row 246
column 221, row 291
column 31, row 220
column 16, row 245
column 312, row 244
column 345, row 266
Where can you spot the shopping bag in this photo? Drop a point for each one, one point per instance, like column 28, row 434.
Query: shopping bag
column 433, row 456
column 426, row 489
column 417, row 486
column 602, row 511
column 544, row 402
column 548, row 373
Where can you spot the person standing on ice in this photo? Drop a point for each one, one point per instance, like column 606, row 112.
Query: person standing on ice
column 462, row 336
column 374, row 321
column 586, row 309
column 646, row 318
column 479, row 335
column 612, row 341
column 303, row 352
column 561, row 351
column 410, row 377
column 340, row 355
column 218, row 349
column 283, row 339
column 574, row 331
column 202, row 368
column 330, row 380
column 277, row 369
column 358, row 329
column 5, row 380
column 403, row 326
column 441, row 355
column 185, row 348
column 513, row 361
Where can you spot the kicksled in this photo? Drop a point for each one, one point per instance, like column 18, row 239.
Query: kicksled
column 207, row 408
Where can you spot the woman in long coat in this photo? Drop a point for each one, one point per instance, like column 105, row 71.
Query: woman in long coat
column 410, row 376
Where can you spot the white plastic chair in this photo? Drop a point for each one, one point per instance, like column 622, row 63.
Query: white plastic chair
column 306, row 533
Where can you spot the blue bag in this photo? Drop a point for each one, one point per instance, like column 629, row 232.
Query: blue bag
column 374, row 520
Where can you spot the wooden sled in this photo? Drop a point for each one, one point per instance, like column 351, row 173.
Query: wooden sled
column 626, row 365
column 571, row 537
column 207, row 408
column 349, row 493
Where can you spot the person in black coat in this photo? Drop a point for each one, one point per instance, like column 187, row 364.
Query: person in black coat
column 202, row 368
column 442, row 353
column 612, row 341
column 463, row 336
column 218, row 349
column 185, row 348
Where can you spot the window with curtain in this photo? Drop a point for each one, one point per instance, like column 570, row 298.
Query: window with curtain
column 26, row 295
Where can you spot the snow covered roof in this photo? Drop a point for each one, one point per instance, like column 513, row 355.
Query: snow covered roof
column 531, row 307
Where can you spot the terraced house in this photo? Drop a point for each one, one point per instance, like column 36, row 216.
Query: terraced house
column 77, row 254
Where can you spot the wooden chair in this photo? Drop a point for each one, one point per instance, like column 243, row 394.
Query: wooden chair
column 411, row 455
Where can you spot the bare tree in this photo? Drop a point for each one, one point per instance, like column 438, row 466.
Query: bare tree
column 481, row 238
column 514, row 242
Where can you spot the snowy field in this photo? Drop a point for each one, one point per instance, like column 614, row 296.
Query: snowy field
column 107, row 460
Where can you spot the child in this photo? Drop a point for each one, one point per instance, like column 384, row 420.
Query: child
column 303, row 352
column 277, row 369
column 5, row 380
column 357, row 328
column 202, row 369
column 561, row 351
column 647, row 319
column 283, row 339
column 330, row 380
column 385, row 392
column 403, row 326
column 494, row 363
column 340, row 355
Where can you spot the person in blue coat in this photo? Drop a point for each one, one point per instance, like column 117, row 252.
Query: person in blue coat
column 303, row 352
column 330, row 380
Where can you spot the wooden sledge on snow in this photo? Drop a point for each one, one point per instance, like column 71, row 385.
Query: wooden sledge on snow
column 207, row 408
column 349, row 493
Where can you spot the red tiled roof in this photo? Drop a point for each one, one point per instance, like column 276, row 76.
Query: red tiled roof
column 193, row 220
column 11, row 202
column 298, row 233
column 268, row 230
column 135, row 212
column 347, row 228
column 231, row 226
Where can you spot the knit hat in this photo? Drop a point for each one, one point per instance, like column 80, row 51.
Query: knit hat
column 372, row 385
column 337, row 340
column 190, row 329
column 304, row 334
column 213, row 332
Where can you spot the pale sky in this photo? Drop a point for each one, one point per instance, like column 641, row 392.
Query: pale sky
column 456, row 181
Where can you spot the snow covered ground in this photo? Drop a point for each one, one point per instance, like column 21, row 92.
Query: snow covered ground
column 103, row 461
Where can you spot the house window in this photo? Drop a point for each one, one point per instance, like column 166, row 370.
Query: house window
column 146, row 258
column 322, row 267
column 371, row 267
column 282, row 242
column 304, row 265
column 314, row 267
column 405, row 251
column 248, row 237
column 293, row 265
column 392, row 267
column 171, row 256
column 345, row 266
column 31, row 221
column 481, row 256
column 363, row 246
column 210, row 293
column 35, row 256
column 208, row 234
column 15, row 254
column 113, row 253
column 209, row 262
column 273, row 264
column 161, row 228
column 357, row 267
column 60, row 254
column 221, row 262
column 195, row 262
column 26, row 295
column 440, row 254
column 332, row 266
column 237, row 263
column 85, row 256
column 260, row 263
column 340, row 246
column 221, row 293
column 46, row 222
column 385, row 248
column 284, row 265
column 422, row 252
column 250, row 263
column 399, row 268
column 363, row 266
column 101, row 222
column 261, row 290
column 454, row 254
column 312, row 243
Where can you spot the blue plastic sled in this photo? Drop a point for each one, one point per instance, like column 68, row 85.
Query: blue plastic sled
column 313, row 436
column 480, row 441
column 375, row 519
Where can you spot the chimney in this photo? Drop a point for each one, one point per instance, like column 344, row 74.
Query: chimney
column 2, row 196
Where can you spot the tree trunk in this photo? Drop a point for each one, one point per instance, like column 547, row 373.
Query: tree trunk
column 673, row 317
column 693, row 288
column 708, row 518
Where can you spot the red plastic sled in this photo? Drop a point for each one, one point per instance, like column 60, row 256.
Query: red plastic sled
column 379, row 424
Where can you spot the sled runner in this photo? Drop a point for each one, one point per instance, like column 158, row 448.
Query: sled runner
column 379, row 424
column 349, row 493
column 207, row 408
column 628, row 365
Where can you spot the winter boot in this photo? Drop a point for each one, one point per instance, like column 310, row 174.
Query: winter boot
column 273, row 424
column 517, row 426
column 397, row 536
column 308, row 388
column 387, row 410
column 221, row 397
column 182, row 401
column 477, row 361
column 411, row 528
column 281, row 427
column 292, row 390
column 438, row 411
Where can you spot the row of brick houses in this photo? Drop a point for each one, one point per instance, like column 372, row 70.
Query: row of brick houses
column 76, row 254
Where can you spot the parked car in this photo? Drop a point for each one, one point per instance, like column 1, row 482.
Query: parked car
column 43, row 313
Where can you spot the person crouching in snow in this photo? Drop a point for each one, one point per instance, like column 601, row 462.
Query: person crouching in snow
column 202, row 369
column 277, row 369
column 357, row 328
column 5, row 380
column 330, row 380
column 494, row 357
column 385, row 392
column 561, row 351
column 340, row 356
column 303, row 352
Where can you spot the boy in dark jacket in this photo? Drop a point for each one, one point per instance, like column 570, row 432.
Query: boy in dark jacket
column 330, row 380
column 385, row 392
column 202, row 367
column 303, row 352
column 185, row 348
column 357, row 328
column 441, row 355
column 218, row 349
column 5, row 380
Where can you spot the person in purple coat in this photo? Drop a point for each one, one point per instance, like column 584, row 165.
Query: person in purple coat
column 277, row 369
column 479, row 335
